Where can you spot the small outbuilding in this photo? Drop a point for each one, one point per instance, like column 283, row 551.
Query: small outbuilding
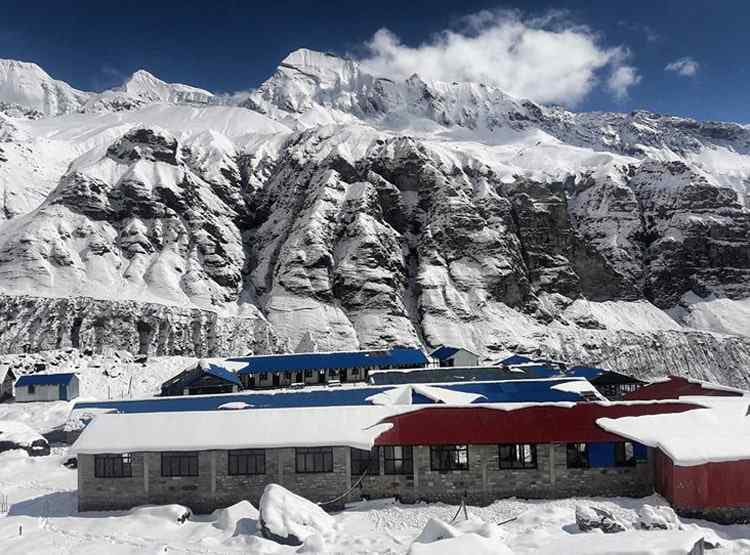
column 613, row 385
column 46, row 387
column 7, row 379
column 202, row 379
column 446, row 356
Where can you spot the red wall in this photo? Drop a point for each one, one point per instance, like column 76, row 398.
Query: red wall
column 535, row 424
column 711, row 485
column 674, row 388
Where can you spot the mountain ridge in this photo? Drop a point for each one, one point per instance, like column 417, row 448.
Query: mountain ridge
column 349, row 210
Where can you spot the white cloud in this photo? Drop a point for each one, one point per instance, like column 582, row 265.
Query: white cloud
column 621, row 80
column 686, row 67
column 547, row 59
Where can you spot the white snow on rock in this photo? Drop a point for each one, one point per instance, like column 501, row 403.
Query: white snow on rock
column 240, row 518
column 18, row 433
column 717, row 434
column 289, row 518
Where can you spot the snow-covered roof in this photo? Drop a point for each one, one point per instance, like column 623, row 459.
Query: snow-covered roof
column 718, row 433
column 403, row 395
column 230, row 429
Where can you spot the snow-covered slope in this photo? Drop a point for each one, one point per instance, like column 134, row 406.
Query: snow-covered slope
column 342, row 209
column 26, row 87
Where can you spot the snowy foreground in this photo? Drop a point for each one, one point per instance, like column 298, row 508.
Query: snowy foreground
column 42, row 518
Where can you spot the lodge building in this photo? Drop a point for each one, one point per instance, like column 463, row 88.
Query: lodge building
column 300, row 369
column 438, row 453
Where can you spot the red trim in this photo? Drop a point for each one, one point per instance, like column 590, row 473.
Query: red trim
column 535, row 424
column 675, row 388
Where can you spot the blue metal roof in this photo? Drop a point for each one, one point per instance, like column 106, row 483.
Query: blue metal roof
column 585, row 372
column 45, row 379
column 515, row 359
column 222, row 373
column 516, row 391
column 444, row 352
column 395, row 357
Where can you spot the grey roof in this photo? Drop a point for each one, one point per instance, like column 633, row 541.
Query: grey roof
column 450, row 374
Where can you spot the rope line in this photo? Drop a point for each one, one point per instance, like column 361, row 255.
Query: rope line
column 347, row 492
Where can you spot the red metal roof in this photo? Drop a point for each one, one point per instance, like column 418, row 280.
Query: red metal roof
column 532, row 424
column 675, row 388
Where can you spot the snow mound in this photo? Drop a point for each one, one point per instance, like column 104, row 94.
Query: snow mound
column 17, row 435
column 169, row 513
column 468, row 543
column 468, row 536
column 589, row 518
column 240, row 519
column 657, row 518
column 290, row 519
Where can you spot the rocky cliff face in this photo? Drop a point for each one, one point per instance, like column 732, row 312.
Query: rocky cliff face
column 338, row 209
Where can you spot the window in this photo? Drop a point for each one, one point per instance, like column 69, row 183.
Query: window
column 314, row 459
column 449, row 457
column 263, row 376
column 624, row 454
column 32, row 389
column 365, row 460
column 517, row 455
column 179, row 463
column 398, row 459
column 247, row 461
column 308, row 373
column 355, row 371
column 578, row 455
column 333, row 373
column 113, row 466
column 287, row 375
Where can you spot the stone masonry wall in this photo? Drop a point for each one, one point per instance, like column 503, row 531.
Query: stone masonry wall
column 482, row 483
column 485, row 481
column 213, row 488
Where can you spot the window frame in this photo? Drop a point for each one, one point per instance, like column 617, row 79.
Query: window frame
column 585, row 453
column 398, row 464
column 363, row 459
column 103, row 460
column 517, row 459
column 620, row 458
column 438, row 457
column 239, row 458
column 182, row 457
column 313, row 455
column 31, row 389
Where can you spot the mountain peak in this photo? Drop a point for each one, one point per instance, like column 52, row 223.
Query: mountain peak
column 144, row 84
column 328, row 69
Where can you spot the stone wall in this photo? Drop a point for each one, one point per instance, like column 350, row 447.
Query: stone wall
column 213, row 488
column 482, row 483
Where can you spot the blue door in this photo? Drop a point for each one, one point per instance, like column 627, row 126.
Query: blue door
column 63, row 392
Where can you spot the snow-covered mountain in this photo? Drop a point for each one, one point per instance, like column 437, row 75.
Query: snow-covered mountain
column 333, row 208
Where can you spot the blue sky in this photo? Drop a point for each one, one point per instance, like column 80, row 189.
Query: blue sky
column 624, row 47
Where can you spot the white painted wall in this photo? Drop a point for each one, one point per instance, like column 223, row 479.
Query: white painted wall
column 465, row 358
column 46, row 392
